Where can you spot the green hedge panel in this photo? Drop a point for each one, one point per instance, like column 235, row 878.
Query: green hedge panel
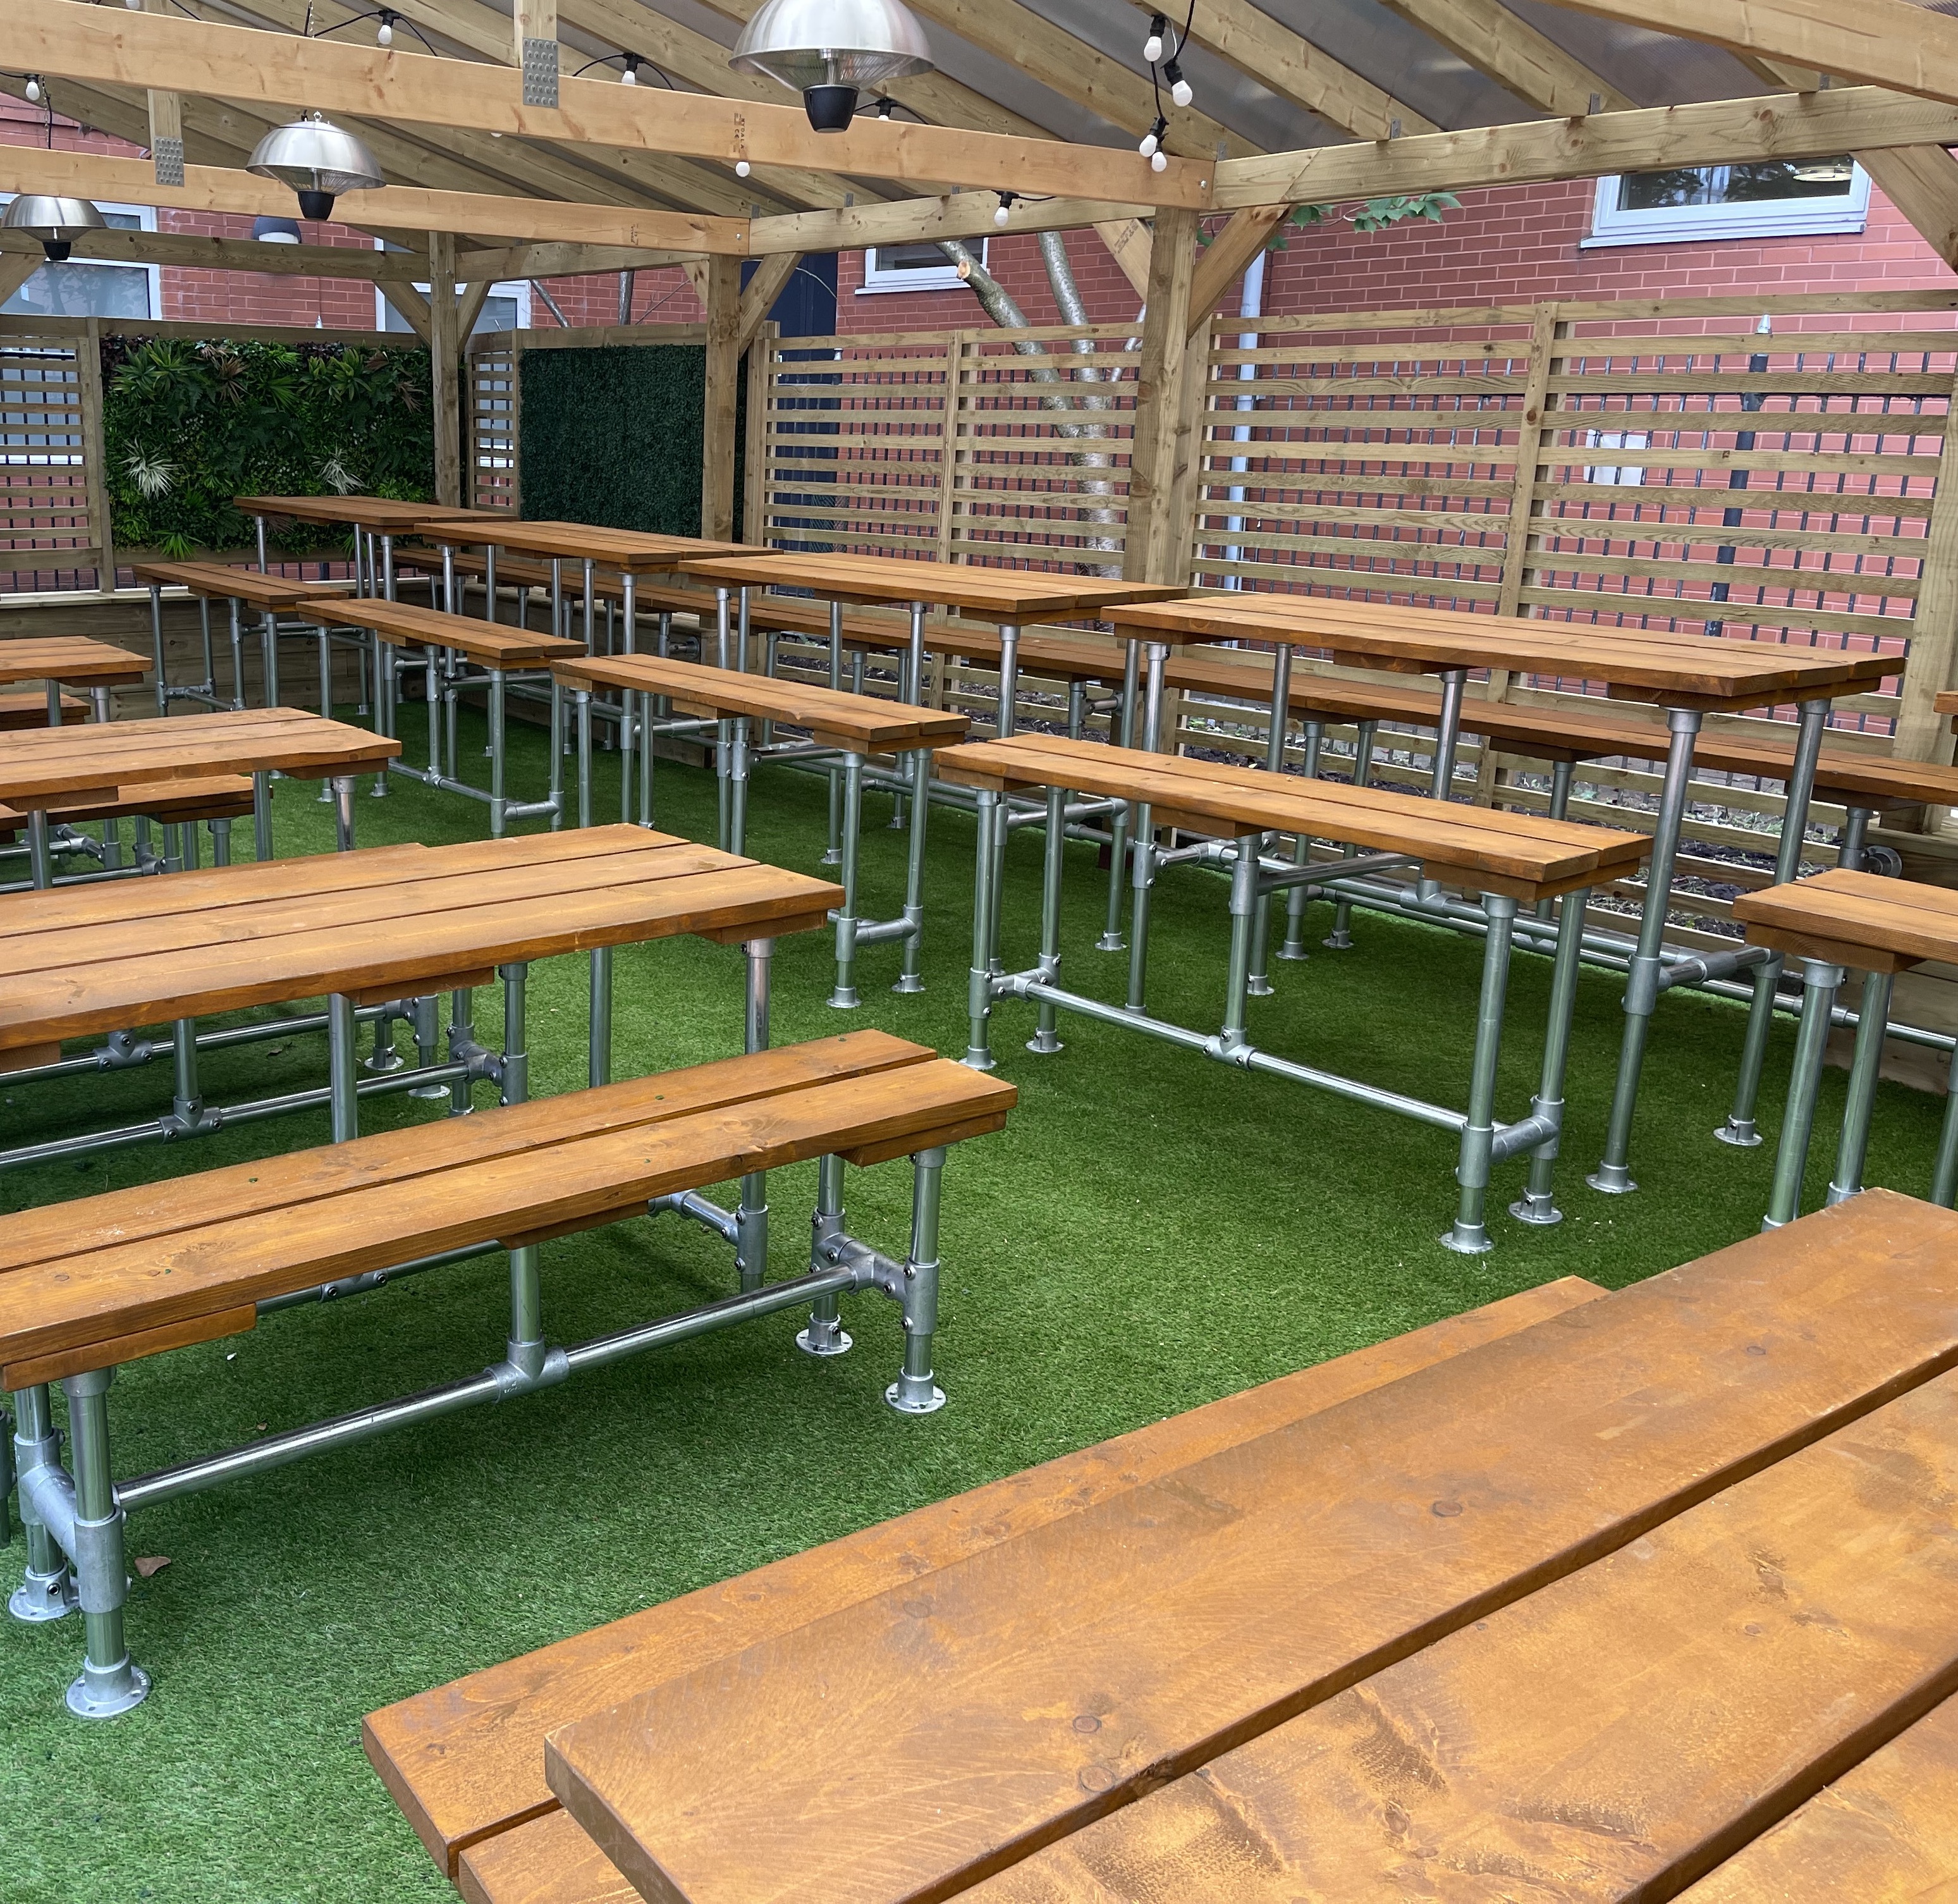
column 614, row 436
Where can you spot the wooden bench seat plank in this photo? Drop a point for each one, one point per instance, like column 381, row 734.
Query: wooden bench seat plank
column 757, row 901
column 19, row 711
column 1012, row 596
column 218, row 580
column 920, row 1740
column 465, row 1761
column 380, row 513
column 854, row 720
column 66, row 1302
column 226, row 796
column 1611, row 1737
column 1862, row 913
column 1506, row 851
column 412, row 905
column 642, row 550
column 1885, row 1833
column 490, row 642
column 151, row 1211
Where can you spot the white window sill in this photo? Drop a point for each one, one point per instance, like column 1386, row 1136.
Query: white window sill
column 908, row 290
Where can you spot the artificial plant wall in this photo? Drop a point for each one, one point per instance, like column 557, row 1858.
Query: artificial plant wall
column 186, row 425
column 614, row 435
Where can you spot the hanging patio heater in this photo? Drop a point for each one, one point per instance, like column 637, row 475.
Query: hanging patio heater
column 55, row 222
column 829, row 50
column 318, row 161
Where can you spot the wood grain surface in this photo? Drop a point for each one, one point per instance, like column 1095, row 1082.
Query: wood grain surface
column 492, row 643
column 1861, row 919
column 1006, row 594
column 909, row 1746
column 67, row 658
column 640, row 551
column 383, row 514
column 220, row 581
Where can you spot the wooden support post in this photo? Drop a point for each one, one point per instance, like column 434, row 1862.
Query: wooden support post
column 724, row 398
column 1162, row 421
column 166, row 134
column 949, row 439
column 445, row 359
column 1933, row 664
column 1128, row 242
column 95, row 455
column 535, row 49
column 754, row 487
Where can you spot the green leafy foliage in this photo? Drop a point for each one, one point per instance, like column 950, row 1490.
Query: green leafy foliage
column 614, row 435
column 188, row 425
column 1376, row 214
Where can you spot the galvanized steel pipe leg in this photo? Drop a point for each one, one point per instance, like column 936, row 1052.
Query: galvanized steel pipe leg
column 109, row 1684
column 751, row 1217
column 237, row 629
column 737, row 790
column 556, row 754
column 47, row 1591
column 833, row 853
column 343, row 812
column 261, row 816
column 1739, row 1129
column 1470, row 1236
column 1613, row 1175
column 1561, row 773
column 600, row 1068
column 908, row 979
column 40, row 854
column 428, row 1046
column 914, row 1392
column 1821, row 981
column 1538, row 1204
column 1246, row 919
column 1340, row 939
column 1277, row 722
column 499, row 692
column 1944, row 1175
column 581, row 702
column 825, row 1334
column 270, row 634
column 979, row 978
column 1111, row 939
column 156, row 643
column 515, row 1087
column 1296, row 901
column 1855, row 832
column 343, row 1094
column 461, row 1037
column 1045, row 1038
column 1872, row 1012
column 844, row 994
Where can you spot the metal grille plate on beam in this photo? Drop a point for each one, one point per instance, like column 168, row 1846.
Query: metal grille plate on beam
column 169, row 155
column 540, row 72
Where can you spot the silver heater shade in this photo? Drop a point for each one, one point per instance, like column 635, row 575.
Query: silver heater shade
column 54, row 221
column 827, row 50
column 318, row 161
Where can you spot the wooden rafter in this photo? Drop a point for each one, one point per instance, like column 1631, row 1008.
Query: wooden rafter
column 190, row 250
column 1295, row 69
column 63, row 37
column 1880, row 42
column 1503, row 46
column 1227, row 253
column 1922, row 181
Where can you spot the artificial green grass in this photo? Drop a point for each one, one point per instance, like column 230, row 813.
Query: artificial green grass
column 1151, row 1231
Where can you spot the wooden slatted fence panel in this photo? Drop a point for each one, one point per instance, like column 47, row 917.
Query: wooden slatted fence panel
column 493, row 423
column 53, row 519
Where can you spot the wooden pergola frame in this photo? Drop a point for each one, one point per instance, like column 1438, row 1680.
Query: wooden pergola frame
column 563, row 174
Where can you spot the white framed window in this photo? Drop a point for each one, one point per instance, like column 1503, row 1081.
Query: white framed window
column 507, row 308
column 910, row 268
column 1779, row 198
column 94, row 287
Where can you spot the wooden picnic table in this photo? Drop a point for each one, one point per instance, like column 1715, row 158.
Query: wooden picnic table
column 373, row 519
column 72, row 660
column 367, row 926
column 270, row 594
column 1689, row 676
column 1487, row 1625
column 54, row 766
column 1837, row 922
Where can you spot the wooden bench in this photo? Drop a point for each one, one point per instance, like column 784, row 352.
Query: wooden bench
column 465, row 1762
column 1464, row 1530
column 1843, row 918
column 271, row 595
column 18, row 711
column 179, row 807
column 443, row 642
column 853, row 725
column 1885, row 1833
column 1507, row 858
column 88, row 1285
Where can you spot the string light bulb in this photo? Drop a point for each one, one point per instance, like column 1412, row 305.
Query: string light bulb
column 742, row 168
column 1158, row 162
column 1005, row 210
column 1151, row 145
column 1152, row 47
column 630, row 76
column 1180, row 88
column 384, row 35
column 33, row 89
